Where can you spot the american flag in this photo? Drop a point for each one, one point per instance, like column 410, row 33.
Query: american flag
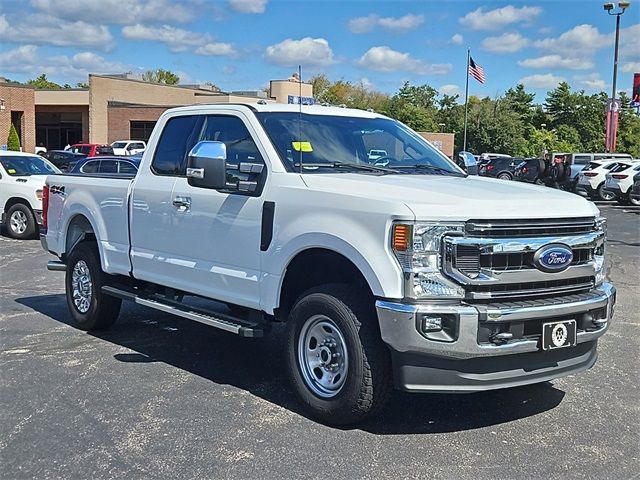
column 476, row 70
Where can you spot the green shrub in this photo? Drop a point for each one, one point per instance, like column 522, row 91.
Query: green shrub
column 13, row 142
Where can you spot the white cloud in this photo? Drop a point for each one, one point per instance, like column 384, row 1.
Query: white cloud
column 27, row 60
column 366, row 83
column 582, row 40
column 457, row 39
column 505, row 43
column 629, row 43
column 397, row 25
column 248, row 6
column 307, row 51
column 630, row 67
column 556, row 61
column 546, row 80
column 384, row 59
column 229, row 70
column 449, row 89
column 591, row 82
column 118, row 11
column 179, row 40
column 44, row 29
column 481, row 19
column 216, row 49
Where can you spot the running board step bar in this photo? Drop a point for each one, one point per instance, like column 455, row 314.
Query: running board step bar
column 241, row 327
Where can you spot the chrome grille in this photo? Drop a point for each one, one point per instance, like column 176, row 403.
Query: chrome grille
column 529, row 228
column 492, row 265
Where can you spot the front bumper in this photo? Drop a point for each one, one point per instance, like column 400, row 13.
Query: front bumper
column 473, row 361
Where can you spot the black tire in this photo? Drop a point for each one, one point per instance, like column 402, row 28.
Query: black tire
column 102, row 310
column 368, row 376
column 539, row 181
column 505, row 176
column 635, row 201
column 20, row 222
column 623, row 200
column 603, row 194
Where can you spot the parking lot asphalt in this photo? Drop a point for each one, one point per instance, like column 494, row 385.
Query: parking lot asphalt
column 161, row 397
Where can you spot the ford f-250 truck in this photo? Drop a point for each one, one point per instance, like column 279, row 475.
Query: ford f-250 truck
column 398, row 270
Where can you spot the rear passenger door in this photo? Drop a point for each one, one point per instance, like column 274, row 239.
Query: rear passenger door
column 219, row 255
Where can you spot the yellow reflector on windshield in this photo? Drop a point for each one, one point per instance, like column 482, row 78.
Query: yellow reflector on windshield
column 302, row 146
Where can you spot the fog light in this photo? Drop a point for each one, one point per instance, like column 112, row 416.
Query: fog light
column 431, row 324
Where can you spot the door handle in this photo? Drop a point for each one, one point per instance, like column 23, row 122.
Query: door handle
column 182, row 203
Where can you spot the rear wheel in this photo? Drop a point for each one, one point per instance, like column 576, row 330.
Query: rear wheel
column 90, row 308
column 338, row 364
column 20, row 222
column 603, row 194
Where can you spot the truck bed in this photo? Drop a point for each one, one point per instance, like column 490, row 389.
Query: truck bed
column 82, row 198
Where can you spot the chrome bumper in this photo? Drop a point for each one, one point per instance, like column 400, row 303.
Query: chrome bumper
column 399, row 324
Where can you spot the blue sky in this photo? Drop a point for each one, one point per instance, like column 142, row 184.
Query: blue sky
column 242, row 44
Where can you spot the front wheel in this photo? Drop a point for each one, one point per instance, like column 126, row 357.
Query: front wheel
column 20, row 222
column 90, row 308
column 633, row 200
column 338, row 364
column 505, row 176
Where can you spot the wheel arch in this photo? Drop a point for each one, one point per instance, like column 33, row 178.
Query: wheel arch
column 316, row 266
column 79, row 228
column 11, row 201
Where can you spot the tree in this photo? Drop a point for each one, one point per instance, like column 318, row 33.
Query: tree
column 82, row 85
column 161, row 76
column 521, row 102
column 13, row 141
column 43, row 82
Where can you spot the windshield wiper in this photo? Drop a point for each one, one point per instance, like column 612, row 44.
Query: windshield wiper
column 426, row 166
column 354, row 166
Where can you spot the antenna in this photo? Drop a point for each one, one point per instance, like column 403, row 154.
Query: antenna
column 300, row 114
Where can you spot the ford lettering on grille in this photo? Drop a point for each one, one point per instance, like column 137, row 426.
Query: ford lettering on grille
column 553, row 258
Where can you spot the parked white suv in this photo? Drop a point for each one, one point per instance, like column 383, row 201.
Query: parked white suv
column 128, row 147
column 22, row 178
column 591, row 179
column 620, row 180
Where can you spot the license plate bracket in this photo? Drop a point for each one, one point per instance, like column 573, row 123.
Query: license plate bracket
column 559, row 334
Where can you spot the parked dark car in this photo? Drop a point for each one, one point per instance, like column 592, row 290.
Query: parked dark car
column 502, row 168
column 532, row 170
column 107, row 165
column 63, row 159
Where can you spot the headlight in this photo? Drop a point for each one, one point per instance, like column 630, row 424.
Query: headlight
column 598, row 253
column 418, row 249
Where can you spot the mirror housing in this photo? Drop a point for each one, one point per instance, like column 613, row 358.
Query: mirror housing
column 469, row 163
column 207, row 165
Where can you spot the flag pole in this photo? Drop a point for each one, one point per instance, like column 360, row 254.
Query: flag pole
column 466, row 101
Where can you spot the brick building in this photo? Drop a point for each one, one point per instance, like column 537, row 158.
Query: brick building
column 17, row 107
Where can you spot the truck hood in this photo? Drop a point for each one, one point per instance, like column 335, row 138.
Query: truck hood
column 435, row 197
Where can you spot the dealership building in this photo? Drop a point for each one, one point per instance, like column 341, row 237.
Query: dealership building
column 116, row 107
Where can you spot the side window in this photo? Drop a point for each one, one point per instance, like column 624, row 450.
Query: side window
column 108, row 166
column 240, row 146
column 90, row 167
column 581, row 159
column 126, row 167
column 175, row 142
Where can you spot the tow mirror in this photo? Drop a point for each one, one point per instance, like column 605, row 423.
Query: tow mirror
column 469, row 161
column 207, row 165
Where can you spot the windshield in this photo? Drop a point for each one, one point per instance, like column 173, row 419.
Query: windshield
column 119, row 145
column 323, row 140
column 21, row 166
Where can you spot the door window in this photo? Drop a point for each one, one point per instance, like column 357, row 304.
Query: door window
column 240, row 146
column 175, row 141
column 581, row 159
column 126, row 168
column 108, row 166
column 90, row 167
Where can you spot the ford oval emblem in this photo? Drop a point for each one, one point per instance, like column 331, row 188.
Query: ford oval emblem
column 553, row 258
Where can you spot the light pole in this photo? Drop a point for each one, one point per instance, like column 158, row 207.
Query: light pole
column 610, row 9
column 442, row 125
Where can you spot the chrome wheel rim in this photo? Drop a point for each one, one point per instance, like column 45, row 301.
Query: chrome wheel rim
column 605, row 195
column 18, row 222
column 82, row 286
column 322, row 356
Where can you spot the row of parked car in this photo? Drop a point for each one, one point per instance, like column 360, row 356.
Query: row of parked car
column 599, row 176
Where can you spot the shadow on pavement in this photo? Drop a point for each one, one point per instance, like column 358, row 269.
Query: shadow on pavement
column 258, row 366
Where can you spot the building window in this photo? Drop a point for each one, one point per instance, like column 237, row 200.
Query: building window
column 141, row 130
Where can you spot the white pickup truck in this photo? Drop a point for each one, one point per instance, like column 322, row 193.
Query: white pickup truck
column 398, row 271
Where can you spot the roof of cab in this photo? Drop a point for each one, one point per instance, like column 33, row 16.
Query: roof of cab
column 283, row 107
